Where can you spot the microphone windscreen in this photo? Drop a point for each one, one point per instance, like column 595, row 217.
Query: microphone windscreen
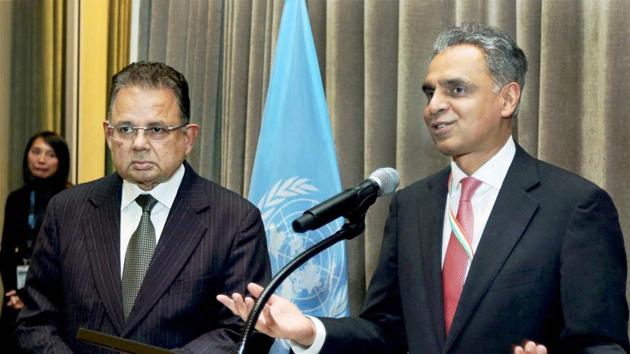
column 387, row 179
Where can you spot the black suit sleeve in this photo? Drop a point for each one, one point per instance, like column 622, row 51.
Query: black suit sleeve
column 379, row 329
column 593, row 279
column 7, row 266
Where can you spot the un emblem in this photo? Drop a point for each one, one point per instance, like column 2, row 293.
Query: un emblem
column 318, row 287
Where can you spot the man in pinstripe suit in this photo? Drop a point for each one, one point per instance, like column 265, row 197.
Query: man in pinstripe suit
column 204, row 239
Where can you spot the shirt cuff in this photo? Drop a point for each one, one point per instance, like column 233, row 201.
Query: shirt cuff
column 318, row 342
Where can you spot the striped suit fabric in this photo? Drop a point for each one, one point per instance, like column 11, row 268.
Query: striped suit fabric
column 213, row 242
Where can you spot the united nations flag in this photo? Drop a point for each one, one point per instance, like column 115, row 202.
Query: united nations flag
column 296, row 168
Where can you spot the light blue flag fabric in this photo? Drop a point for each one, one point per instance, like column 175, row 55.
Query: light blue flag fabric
column 296, row 168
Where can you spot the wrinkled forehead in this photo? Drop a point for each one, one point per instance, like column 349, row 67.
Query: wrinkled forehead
column 143, row 105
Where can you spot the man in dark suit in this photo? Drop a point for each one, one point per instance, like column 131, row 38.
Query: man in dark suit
column 495, row 249
column 141, row 253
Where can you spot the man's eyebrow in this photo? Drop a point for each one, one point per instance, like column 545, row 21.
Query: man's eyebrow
column 447, row 82
column 427, row 86
column 456, row 82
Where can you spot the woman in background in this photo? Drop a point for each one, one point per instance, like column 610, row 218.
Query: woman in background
column 45, row 169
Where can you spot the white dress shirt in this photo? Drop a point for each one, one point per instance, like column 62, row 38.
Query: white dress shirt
column 131, row 212
column 491, row 174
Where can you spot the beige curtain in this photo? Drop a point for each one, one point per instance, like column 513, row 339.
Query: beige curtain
column 373, row 56
column 37, row 73
column 35, row 77
column 117, row 47
column 118, row 41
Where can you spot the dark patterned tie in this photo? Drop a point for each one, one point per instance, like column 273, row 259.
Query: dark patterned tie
column 139, row 253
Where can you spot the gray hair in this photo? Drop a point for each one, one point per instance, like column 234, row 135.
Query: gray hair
column 505, row 60
column 152, row 75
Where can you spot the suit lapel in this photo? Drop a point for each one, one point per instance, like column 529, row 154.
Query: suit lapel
column 102, row 225
column 179, row 239
column 509, row 218
column 430, row 224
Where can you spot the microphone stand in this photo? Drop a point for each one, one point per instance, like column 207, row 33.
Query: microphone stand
column 353, row 227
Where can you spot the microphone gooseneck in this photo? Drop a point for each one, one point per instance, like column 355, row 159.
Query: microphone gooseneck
column 351, row 204
column 354, row 200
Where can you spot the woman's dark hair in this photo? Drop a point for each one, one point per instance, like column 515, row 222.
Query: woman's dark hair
column 56, row 142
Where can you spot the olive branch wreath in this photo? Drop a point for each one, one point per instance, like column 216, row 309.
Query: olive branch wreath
column 282, row 190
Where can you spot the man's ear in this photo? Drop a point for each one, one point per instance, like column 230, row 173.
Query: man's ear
column 107, row 138
column 192, row 131
column 510, row 94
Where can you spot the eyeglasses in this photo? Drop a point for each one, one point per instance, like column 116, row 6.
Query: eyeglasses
column 154, row 132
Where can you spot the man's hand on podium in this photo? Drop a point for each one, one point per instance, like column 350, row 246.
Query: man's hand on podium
column 530, row 348
column 280, row 318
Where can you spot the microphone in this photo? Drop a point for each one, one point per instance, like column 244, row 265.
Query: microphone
column 381, row 182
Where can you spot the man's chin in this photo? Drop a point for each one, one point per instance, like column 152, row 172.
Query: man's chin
column 144, row 179
column 446, row 148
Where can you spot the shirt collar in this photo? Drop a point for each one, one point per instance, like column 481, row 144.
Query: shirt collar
column 493, row 171
column 164, row 192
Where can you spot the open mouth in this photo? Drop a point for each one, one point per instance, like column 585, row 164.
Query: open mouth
column 441, row 125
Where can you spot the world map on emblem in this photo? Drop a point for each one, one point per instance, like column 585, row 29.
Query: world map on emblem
column 318, row 287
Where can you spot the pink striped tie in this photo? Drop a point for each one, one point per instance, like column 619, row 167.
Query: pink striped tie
column 456, row 259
